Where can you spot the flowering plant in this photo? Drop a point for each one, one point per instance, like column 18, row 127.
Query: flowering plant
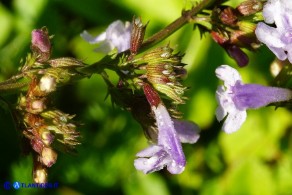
column 155, row 83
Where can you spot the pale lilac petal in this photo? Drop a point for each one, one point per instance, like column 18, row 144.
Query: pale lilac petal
column 222, row 99
column 279, row 38
column 268, row 35
column 167, row 136
column 188, row 132
column 93, row 40
column 150, row 151
column 270, row 10
column 117, row 35
column 234, row 121
column 152, row 159
column 228, row 74
column 248, row 96
column 279, row 52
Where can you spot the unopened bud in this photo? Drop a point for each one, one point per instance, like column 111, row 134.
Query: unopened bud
column 151, row 95
column 47, row 84
column 37, row 144
column 47, row 137
column 65, row 62
column 238, row 55
column 250, row 7
column 137, row 35
column 40, row 44
column 35, row 106
column 228, row 16
column 48, row 157
column 39, row 172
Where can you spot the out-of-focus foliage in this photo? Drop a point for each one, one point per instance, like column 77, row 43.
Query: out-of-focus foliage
column 255, row 160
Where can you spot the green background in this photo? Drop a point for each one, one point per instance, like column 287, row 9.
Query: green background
column 257, row 159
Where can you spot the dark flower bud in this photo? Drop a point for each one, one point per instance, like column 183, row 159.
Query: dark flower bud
column 238, row 55
column 228, row 16
column 137, row 35
column 40, row 44
column 151, row 95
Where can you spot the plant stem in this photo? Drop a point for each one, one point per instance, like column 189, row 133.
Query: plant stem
column 175, row 25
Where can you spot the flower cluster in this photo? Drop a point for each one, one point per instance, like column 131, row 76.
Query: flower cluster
column 232, row 32
column 278, row 39
column 164, row 71
column 42, row 125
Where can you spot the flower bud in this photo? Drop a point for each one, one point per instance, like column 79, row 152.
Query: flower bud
column 47, row 84
column 40, row 44
column 37, row 144
column 47, row 137
column 250, row 7
column 40, row 172
column 137, row 35
column 164, row 71
column 151, row 95
column 238, row 55
column 228, row 16
column 65, row 62
column 48, row 157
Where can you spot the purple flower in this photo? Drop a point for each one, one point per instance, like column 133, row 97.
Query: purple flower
column 117, row 35
column 168, row 151
column 278, row 39
column 235, row 98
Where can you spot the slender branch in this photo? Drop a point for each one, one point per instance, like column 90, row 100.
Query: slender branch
column 175, row 25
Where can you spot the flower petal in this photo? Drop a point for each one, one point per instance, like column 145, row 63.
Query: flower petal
column 228, row 74
column 220, row 97
column 93, row 40
column 167, row 135
column 269, row 35
column 152, row 159
column 119, row 35
column 188, row 132
column 234, row 121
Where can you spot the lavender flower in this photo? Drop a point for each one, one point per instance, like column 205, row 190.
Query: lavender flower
column 168, row 151
column 117, row 35
column 235, row 98
column 279, row 39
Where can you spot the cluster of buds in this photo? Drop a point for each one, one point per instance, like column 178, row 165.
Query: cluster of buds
column 45, row 127
column 233, row 29
column 164, row 70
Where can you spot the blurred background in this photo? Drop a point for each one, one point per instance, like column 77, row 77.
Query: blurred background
column 255, row 160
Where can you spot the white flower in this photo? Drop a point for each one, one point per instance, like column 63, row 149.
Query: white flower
column 279, row 39
column 117, row 35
